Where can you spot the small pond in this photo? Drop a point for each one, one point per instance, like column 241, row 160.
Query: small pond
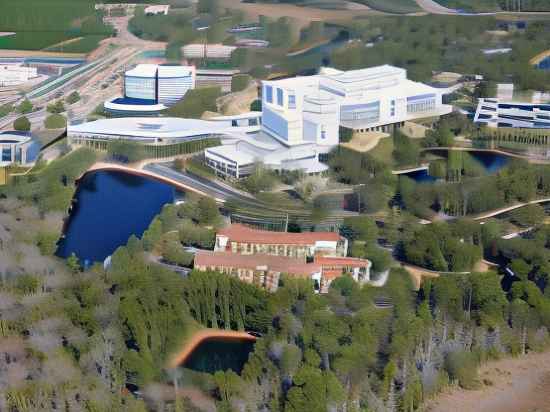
column 492, row 163
column 109, row 207
column 216, row 354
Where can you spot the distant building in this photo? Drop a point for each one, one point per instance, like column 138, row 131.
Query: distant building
column 244, row 240
column 499, row 113
column 17, row 148
column 151, row 88
column 207, row 51
column 252, row 43
column 216, row 78
column 157, row 9
column 16, row 74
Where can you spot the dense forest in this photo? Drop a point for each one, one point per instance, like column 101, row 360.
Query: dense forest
column 431, row 43
column 76, row 339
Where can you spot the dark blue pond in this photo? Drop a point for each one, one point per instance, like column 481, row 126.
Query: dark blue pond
column 492, row 162
column 109, row 208
column 421, row 176
column 544, row 64
column 219, row 354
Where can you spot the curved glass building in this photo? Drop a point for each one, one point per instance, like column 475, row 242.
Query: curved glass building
column 150, row 89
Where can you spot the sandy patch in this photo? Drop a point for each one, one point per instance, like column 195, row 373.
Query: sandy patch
column 303, row 15
column 516, row 385
column 364, row 142
column 239, row 102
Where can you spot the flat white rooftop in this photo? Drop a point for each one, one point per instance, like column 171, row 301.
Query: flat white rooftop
column 161, row 127
column 143, row 70
column 175, row 71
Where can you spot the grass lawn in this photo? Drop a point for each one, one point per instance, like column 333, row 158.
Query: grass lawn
column 383, row 151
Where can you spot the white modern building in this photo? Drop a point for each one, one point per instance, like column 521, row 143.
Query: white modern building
column 301, row 117
column 16, row 74
column 305, row 109
column 208, row 51
column 161, row 130
column 151, row 88
column 18, row 148
column 499, row 113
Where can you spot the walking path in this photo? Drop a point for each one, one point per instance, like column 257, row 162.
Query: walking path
column 500, row 211
column 199, row 337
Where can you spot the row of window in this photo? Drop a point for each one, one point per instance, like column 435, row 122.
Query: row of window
column 291, row 102
column 421, row 106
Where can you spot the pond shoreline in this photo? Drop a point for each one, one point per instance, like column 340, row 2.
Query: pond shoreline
column 203, row 335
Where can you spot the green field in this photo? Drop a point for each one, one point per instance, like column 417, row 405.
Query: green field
column 392, row 6
column 39, row 24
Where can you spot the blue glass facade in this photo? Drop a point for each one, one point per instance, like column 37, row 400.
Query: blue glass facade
column 275, row 123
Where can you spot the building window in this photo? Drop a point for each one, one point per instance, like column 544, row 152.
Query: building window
column 323, row 132
column 393, row 103
column 291, row 101
column 280, row 97
column 269, row 94
column 392, row 111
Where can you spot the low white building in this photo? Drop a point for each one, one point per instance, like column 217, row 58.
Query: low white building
column 161, row 130
column 503, row 113
column 157, row 9
column 17, row 148
column 209, row 51
column 16, row 74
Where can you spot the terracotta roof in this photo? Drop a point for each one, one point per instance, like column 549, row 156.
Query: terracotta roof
column 281, row 264
column 241, row 233
column 341, row 261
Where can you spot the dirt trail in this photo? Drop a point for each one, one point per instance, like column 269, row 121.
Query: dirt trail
column 516, row 385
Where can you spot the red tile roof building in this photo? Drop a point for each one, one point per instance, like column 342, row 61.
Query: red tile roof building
column 241, row 239
column 261, row 257
column 261, row 270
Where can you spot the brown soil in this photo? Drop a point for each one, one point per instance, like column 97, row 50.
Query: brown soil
column 303, row 15
column 511, row 385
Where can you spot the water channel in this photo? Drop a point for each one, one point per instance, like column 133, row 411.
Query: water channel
column 109, row 207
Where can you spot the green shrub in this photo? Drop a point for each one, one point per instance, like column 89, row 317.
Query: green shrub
column 55, row 121
column 22, row 124
column 25, row 107
column 240, row 82
column 256, row 106
column 57, row 107
column 73, row 97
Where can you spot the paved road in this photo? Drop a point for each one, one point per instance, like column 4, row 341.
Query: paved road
column 434, row 7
